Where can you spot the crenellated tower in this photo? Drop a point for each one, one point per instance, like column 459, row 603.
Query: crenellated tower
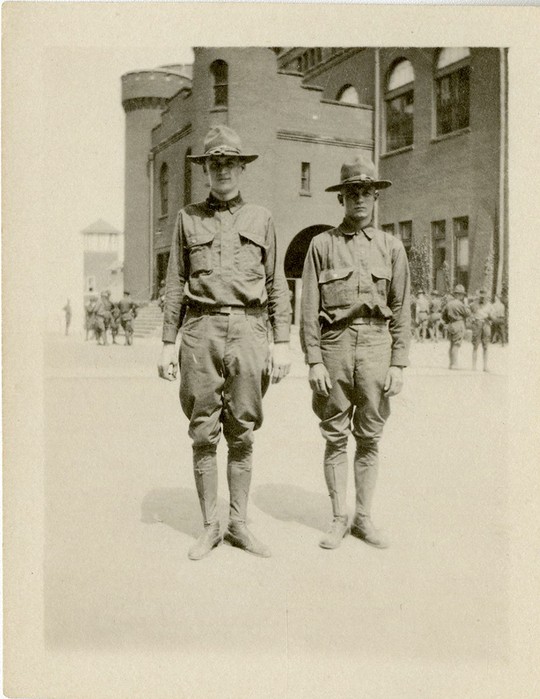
column 145, row 94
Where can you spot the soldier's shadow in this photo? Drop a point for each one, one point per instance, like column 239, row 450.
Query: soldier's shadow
column 290, row 503
column 178, row 508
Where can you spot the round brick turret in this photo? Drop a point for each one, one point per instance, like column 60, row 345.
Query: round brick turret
column 145, row 94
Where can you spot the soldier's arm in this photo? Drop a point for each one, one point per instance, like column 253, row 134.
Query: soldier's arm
column 399, row 303
column 277, row 290
column 174, row 290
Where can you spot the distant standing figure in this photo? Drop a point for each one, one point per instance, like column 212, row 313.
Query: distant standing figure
column 422, row 315
column 454, row 315
column 128, row 313
column 435, row 316
column 481, row 327
column 498, row 321
column 161, row 294
column 102, row 318
column 67, row 311
column 115, row 322
column 90, row 315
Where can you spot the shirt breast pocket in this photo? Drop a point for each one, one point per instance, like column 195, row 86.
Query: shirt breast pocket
column 381, row 280
column 200, row 254
column 337, row 287
column 251, row 253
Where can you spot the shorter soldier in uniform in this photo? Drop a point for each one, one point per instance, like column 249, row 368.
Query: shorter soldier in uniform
column 455, row 314
column 128, row 313
column 355, row 333
column 481, row 327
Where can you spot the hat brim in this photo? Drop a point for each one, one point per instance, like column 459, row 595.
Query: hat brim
column 378, row 184
column 201, row 159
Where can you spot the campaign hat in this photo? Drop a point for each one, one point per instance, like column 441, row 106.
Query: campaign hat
column 224, row 141
column 360, row 170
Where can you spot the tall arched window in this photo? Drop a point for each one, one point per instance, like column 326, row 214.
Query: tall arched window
column 452, row 74
column 399, row 99
column 220, row 73
column 164, row 189
column 348, row 95
column 187, row 177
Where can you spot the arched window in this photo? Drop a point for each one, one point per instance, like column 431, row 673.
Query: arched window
column 452, row 75
column 187, row 177
column 164, row 189
column 220, row 73
column 399, row 99
column 348, row 95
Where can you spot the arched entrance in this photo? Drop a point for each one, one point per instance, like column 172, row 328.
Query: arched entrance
column 294, row 263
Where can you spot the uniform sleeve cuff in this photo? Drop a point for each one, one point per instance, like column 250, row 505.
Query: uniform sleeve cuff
column 399, row 359
column 281, row 334
column 313, row 355
column 169, row 334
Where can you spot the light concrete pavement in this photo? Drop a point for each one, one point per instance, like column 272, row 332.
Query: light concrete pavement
column 307, row 623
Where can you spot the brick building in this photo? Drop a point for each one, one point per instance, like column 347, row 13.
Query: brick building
column 434, row 120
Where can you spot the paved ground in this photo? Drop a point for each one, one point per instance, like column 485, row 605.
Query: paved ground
column 427, row 617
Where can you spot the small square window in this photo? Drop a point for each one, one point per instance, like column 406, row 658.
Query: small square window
column 305, row 178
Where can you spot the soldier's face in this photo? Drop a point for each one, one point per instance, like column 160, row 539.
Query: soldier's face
column 359, row 203
column 224, row 176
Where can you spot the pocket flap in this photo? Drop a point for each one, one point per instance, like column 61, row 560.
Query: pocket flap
column 330, row 275
column 201, row 238
column 381, row 273
column 253, row 238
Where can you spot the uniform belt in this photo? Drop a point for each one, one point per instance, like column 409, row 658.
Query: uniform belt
column 227, row 310
column 367, row 320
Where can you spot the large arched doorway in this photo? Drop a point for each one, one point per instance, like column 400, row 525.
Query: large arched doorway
column 294, row 264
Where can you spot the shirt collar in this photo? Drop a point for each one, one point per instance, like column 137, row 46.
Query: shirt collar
column 351, row 228
column 215, row 204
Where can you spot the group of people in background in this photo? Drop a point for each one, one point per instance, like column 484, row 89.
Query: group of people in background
column 452, row 315
column 103, row 316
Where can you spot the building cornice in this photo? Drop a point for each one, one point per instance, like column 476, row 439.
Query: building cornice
column 177, row 136
column 133, row 103
column 284, row 135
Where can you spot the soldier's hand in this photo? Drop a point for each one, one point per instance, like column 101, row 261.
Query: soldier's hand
column 394, row 381
column 281, row 361
column 168, row 362
column 319, row 379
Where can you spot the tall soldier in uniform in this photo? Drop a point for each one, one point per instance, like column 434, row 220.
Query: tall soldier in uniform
column 355, row 333
column 223, row 274
column 454, row 314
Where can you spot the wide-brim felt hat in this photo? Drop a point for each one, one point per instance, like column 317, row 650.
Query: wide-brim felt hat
column 360, row 170
column 222, row 140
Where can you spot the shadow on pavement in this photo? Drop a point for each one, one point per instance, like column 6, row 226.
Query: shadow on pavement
column 178, row 508
column 292, row 503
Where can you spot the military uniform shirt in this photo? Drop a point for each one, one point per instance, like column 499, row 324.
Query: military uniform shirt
column 350, row 273
column 224, row 254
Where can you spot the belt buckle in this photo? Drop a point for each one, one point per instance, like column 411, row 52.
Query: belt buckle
column 225, row 310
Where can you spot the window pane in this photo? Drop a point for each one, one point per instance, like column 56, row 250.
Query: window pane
column 452, row 55
column 349, row 95
column 453, row 101
column 399, row 121
column 220, row 95
column 401, row 75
